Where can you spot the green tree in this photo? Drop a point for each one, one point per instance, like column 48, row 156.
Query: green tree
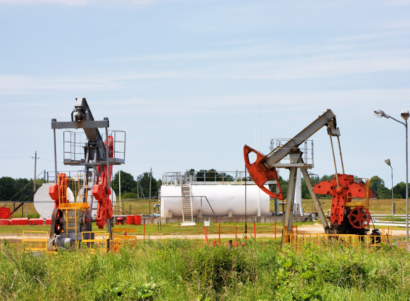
column 383, row 193
column 127, row 182
column 144, row 180
column 376, row 183
column 400, row 190
column 8, row 188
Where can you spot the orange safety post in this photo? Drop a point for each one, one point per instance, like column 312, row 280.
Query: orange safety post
column 275, row 230
column 219, row 233
column 206, row 237
column 254, row 230
column 236, row 233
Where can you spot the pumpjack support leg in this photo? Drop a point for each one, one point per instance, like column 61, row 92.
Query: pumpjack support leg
column 290, row 199
column 315, row 200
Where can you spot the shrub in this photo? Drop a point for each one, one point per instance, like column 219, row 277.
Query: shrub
column 130, row 195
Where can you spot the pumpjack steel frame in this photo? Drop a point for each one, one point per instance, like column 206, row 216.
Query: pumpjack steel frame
column 98, row 161
column 342, row 188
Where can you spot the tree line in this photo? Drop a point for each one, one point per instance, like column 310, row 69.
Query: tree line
column 20, row 189
column 17, row 189
column 135, row 188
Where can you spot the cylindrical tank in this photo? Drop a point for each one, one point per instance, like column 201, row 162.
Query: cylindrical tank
column 137, row 219
column 222, row 198
column 44, row 204
column 130, row 219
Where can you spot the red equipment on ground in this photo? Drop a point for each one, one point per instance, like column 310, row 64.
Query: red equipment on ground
column 19, row 221
column 4, row 212
column 4, row 222
column 36, row 221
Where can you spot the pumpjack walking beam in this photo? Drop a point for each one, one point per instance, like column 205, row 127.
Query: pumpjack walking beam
column 264, row 168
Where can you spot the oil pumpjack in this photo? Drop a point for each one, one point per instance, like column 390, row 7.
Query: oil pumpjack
column 72, row 222
column 346, row 216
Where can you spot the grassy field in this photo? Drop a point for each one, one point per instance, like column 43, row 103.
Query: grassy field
column 185, row 270
column 170, row 229
column 132, row 207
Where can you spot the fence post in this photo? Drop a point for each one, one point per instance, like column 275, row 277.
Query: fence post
column 275, row 230
column 254, row 230
column 236, row 233
column 219, row 233
column 206, row 237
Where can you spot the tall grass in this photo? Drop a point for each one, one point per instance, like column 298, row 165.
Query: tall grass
column 184, row 270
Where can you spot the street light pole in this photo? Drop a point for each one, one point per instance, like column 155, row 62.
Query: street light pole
column 388, row 162
column 407, row 183
column 405, row 115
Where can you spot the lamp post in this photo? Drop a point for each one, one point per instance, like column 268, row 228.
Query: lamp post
column 405, row 115
column 388, row 162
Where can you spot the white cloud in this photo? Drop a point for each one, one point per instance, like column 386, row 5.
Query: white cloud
column 398, row 2
column 80, row 2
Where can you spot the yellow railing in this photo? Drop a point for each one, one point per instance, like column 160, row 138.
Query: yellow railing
column 35, row 240
column 288, row 236
column 123, row 236
column 99, row 236
column 95, row 239
column 297, row 241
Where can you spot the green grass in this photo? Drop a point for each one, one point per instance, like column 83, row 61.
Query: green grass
column 141, row 206
column 187, row 270
column 168, row 229
column 396, row 219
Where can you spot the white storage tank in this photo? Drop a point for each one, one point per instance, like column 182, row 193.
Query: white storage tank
column 222, row 198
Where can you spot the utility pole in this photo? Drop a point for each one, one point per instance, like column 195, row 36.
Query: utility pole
column 150, row 178
column 34, row 180
column 35, row 171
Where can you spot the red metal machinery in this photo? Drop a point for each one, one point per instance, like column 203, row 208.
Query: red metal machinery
column 347, row 217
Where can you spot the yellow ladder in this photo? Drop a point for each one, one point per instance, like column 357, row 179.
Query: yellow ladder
column 69, row 218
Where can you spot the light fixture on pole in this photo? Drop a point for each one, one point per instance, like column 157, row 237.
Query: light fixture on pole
column 405, row 115
column 388, row 162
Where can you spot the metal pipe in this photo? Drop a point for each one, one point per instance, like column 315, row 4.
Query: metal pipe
column 407, row 186
column 55, row 157
column 246, row 224
column 334, row 160
column 392, row 198
column 340, row 151
column 107, row 155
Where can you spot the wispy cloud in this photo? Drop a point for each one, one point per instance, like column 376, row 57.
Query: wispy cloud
column 81, row 2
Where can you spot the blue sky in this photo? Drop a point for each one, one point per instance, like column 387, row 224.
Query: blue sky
column 188, row 79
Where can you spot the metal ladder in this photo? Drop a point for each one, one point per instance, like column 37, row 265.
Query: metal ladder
column 187, row 218
column 69, row 218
